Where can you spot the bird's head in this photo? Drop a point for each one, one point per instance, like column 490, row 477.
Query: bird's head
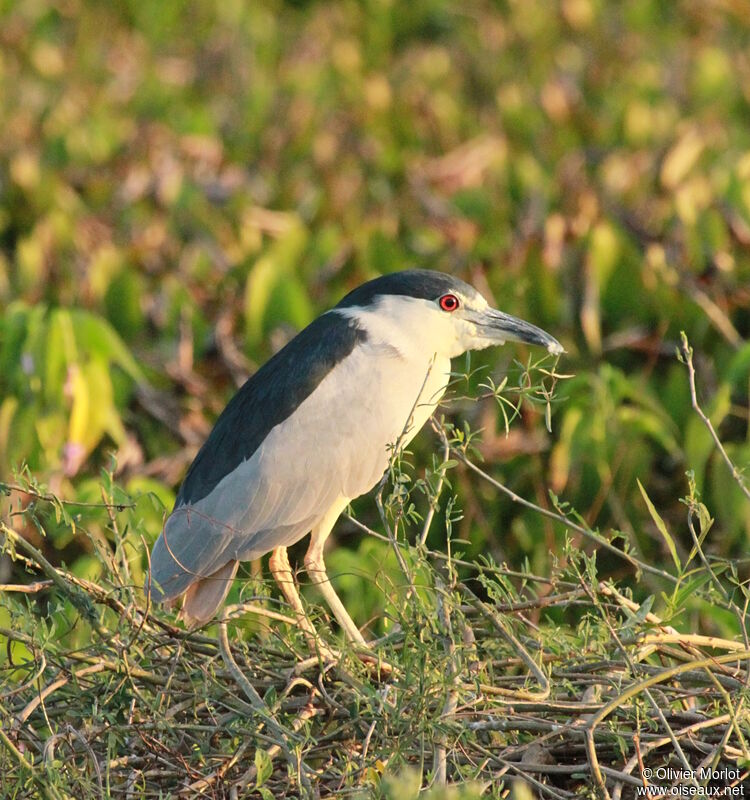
column 438, row 311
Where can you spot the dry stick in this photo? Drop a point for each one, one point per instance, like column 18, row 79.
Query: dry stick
column 26, row 588
column 659, row 713
column 721, row 746
column 94, row 661
column 568, row 769
column 645, row 749
column 440, row 769
column 636, row 689
column 523, row 653
column 639, row 759
column 52, row 687
column 204, row 783
column 516, row 768
column 687, row 358
column 307, row 713
column 669, row 635
column 687, row 639
column 735, row 713
column 610, row 591
column 43, row 785
column 550, row 600
column 240, row 609
column 257, row 702
column 49, row 753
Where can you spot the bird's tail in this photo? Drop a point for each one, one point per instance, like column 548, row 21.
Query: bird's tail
column 203, row 597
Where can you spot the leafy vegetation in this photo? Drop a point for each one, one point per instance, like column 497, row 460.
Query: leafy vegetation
column 182, row 188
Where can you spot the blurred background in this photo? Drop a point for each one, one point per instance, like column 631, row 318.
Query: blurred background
column 184, row 186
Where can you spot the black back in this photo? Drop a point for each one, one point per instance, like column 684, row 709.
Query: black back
column 268, row 398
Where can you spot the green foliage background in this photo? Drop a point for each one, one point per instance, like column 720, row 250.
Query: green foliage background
column 182, row 186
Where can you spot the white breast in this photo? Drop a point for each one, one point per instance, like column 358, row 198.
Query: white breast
column 374, row 400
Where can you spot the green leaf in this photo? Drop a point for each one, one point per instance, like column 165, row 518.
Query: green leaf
column 123, row 303
column 635, row 620
column 604, row 252
column 264, row 767
column 661, row 527
column 682, row 593
column 273, row 293
column 96, row 337
column 60, row 350
column 289, row 303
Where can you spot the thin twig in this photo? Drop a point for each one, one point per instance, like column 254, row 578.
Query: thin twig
column 79, row 599
column 687, row 357
column 569, row 523
column 51, row 498
column 257, row 703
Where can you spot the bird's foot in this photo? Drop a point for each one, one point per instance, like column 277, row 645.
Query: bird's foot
column 327, row 656
column 376, row 666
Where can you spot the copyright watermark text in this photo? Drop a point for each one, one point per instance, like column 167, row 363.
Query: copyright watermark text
column 702, row 782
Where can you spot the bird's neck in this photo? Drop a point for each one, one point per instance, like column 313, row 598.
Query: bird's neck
column 400, row 325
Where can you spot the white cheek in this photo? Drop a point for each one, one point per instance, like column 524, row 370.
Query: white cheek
column 467, row 337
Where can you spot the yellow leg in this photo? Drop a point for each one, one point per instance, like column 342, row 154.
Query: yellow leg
column 282, row 573
column 316, row 569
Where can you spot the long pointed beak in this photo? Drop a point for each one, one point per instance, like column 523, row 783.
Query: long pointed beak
column 501, row 327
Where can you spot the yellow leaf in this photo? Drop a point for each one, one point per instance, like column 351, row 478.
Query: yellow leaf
column 78, row 425
column 93, row 413
column 681, row 159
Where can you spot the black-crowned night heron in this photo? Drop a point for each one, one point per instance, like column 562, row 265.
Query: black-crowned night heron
column 314, row 428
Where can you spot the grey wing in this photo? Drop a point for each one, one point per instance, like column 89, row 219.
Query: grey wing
column 270, row 500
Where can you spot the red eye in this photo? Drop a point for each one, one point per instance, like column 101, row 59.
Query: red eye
column 449, row 302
